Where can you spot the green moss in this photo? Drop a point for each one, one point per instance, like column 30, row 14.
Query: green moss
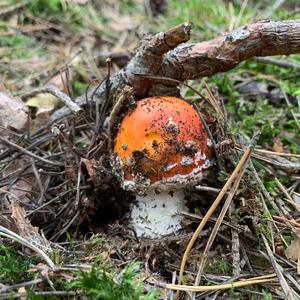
column 46, row 6
column 79, row 87
column 248, row 117
column 13, row 266
column 100, row 284
column 223, row 266
column 288, row 238
column 266, row 295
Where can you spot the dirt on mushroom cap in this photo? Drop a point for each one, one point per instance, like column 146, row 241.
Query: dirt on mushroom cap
column 162, row 141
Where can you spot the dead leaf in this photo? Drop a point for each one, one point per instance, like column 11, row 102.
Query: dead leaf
column 26, row 230
column 45, row 103
column 22, row 290
column 13, row 112
column 43, row 269
column 89, row 164
column 291, row 252
column 95, row 171
column 278, row 146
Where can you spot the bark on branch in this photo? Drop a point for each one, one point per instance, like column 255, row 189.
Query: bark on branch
column 162, row 55
column 263, row 38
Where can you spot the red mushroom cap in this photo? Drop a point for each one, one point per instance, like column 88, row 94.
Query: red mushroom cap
column 162, row 142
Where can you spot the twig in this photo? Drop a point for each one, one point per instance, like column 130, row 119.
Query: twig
column 238, row 228
column 125, row 97
column 293, row 222
column 282, row 163
column 26, row 152
column 245, row 257
column 278, row 62
column 288, row 291
column 159, row 55
column 18, row 285
column 78, row 190
column 63, row 230
column 236, row 257
column 207, row 189
column 39, row 181
column 289, row 106
column 49, row 202
column 285, row 192
column 73, row 106
column 271, row 10
column 215, row 104
column 174, row 275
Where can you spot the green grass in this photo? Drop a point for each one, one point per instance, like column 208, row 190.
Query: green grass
column 208, row 17
column 99, row 284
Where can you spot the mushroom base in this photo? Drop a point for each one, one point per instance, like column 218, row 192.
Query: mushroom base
column 156, row 215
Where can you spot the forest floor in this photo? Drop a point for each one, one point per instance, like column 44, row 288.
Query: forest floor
column 80, row 225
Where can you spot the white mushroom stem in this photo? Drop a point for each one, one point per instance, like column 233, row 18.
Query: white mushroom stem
column 156, row 215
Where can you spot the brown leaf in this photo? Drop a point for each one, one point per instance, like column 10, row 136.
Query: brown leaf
column 25, row 228
column 45, row 103
column 291, row 252
column 22, row 290
column 278, row 146
column 13, row 112
column 89, row 164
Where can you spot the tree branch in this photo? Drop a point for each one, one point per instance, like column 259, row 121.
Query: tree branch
column 264, row 38
column 160, row 55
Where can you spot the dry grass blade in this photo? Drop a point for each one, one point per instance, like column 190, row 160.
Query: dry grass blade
column 237, row 284
column 219, row 221
column 214, row 103
column 263, row 151
column 12, row 235
column 213, row 207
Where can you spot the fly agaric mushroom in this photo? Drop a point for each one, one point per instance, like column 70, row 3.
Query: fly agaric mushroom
column 161, row 147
